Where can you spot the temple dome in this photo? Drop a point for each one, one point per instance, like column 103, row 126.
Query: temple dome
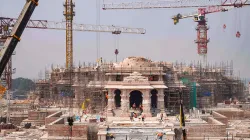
column 135, row 61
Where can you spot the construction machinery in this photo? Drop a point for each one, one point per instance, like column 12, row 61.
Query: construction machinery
column 202, row 27
column 8, row 23
column 16, row 33
column 200, row 12
column 157, row 4
column 213, row 6
column 12, row 40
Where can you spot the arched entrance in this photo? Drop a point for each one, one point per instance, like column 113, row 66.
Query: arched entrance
column 117, row 98
column 154, row 98
column 135, row 97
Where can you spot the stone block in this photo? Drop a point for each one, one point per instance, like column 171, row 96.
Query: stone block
column 64, row 130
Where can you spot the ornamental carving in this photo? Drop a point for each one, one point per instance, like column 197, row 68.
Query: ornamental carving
column 135, row 77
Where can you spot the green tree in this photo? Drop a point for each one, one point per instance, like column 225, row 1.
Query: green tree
column 22, row 85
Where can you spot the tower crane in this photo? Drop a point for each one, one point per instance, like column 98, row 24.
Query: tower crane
column 202, row 27
column 7, row 24
column 212, row 6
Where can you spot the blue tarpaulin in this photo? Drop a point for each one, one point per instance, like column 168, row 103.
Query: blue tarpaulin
column 206, row 93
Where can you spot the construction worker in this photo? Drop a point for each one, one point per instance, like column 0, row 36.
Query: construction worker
column 135, row 115
column 159, row 136
column 141, row 108
column 161, row 116
column 131, row 118
column 143, row 118
column 134, row 106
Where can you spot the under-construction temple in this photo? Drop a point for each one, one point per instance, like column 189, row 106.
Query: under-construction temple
column 203, row 86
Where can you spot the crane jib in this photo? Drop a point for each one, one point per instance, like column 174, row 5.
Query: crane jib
column 16, row 33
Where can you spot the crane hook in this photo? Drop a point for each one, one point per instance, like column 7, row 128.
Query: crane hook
column 224, row 26
column 238, row 34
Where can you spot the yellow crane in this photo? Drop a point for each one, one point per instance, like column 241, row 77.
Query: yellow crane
column 69, row 14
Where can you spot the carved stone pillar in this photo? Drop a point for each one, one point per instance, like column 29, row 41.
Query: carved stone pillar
column 160, row 103
column 78, row 98
column 124, row 103
column 160, row 77
column 110, row 102
column 123, row 100
column 146, row 103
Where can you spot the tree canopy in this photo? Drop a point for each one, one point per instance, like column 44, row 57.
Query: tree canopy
column 22, row 84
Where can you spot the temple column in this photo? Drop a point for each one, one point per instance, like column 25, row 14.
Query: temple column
column 110, row 78
column 78, row 98
column 146, row 103
column 160, row 99
column 124, row 103
column 110, row 105
column 160, row 77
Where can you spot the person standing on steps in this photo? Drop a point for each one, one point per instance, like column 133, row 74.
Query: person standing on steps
column 143, row 118
column 161, row 116
column 134, row 106
column 141, row 108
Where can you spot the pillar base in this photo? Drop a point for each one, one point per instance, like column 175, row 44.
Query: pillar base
column 110, row 113
column 147, row 114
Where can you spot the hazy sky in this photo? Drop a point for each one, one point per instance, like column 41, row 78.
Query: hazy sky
column 163, row 41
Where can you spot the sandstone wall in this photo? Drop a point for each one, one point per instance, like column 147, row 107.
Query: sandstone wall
column 214, row 128
column 38, row 115
column 206, row 130
column 17, row 120
column 64, row 130
column 247, row 114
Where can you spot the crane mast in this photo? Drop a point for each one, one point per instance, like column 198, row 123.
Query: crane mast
column 201, row 29
column 69, row 14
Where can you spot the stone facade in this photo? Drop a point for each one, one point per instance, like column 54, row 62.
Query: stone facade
column 135, row 82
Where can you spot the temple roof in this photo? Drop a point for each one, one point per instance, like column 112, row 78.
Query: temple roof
column 135, row 61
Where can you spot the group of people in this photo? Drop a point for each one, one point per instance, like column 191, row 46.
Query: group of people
column 135, row 115
column 136, row 108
